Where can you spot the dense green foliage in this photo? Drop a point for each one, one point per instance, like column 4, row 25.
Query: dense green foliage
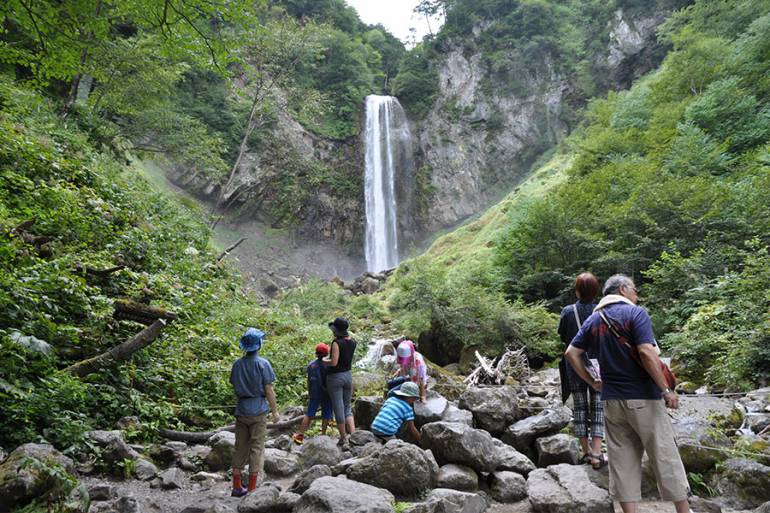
column 670, row 184
column 96, row 213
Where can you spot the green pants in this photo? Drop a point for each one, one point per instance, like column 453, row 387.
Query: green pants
column 250, row 433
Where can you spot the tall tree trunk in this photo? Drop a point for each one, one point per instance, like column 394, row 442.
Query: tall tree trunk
column 73, row 93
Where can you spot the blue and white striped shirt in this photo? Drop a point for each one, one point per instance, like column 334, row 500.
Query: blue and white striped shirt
column 392, row 415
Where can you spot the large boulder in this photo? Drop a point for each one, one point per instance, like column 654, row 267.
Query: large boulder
column 341, row 495
column 401, row 468
column 365, row 409
column 443, row 500
column 24, row 475
column 361, row 437
column 455, row 414
column 114, row 450
column 171, row 479
column 280, row 463
column 552, row 450
column 222, row 446
column 743, row 484
column 320, row 450
column 306, row 478
column 145, row 470
column 458, row 443
column 699, row 445
column 493, row 408
column 430, row 411
column 458, row 477
column 764, row 508
column 523, row 433
column 265, row 499
column 566, row 489
column 505, row 486
column 511, row 459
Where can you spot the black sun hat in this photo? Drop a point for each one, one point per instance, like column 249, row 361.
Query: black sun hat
column 339, row 327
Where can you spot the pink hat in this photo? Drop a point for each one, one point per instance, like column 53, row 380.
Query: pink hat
column 405, row 351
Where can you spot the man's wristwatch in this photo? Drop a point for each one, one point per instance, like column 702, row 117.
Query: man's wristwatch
column 666, row 391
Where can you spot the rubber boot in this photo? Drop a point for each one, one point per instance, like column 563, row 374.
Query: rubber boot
column 238, row 489
column 252, row 482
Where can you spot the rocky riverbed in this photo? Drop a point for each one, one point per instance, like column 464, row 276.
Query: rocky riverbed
column 504, row 449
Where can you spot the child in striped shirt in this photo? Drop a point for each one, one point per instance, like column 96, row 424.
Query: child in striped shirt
column 396, row 412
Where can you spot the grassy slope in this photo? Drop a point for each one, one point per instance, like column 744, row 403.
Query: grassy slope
column 474, row 242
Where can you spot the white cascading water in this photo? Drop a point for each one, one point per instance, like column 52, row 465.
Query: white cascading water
column 388, row 151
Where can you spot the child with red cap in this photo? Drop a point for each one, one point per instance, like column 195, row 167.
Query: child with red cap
column 317, row 395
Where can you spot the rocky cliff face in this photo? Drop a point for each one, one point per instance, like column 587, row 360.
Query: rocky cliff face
column 481, row 136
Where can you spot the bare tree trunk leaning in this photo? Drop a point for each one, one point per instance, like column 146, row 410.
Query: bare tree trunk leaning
column 120, row 352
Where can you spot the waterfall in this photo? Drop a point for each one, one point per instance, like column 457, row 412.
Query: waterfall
column 388, row 154
column 379, row 351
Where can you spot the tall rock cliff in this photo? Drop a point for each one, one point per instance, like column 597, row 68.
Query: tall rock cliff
column 487, row 126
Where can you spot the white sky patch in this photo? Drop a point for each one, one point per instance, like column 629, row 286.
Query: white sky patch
column 398, row 17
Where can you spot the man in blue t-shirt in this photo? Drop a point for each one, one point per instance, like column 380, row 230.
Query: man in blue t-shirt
column 397, row 410
column 635, row 417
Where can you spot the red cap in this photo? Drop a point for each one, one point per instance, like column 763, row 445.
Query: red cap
column 322, row 349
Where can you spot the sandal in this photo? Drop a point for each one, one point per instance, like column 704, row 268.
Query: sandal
column 599, row 461
column 587, row 458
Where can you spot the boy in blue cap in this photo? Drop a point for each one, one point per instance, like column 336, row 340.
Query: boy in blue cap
column 252, row 378
column 397, row 411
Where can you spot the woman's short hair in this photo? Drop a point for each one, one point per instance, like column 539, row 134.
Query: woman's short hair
column 587, row 286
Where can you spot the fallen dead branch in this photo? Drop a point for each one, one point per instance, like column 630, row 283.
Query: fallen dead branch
column 120, row 352
column 201, row 437
column 125, row 309
column 511, row 364
column 229, row 249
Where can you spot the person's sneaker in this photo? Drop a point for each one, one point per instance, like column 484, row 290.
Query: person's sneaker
column 239, row 492
column 298, row 438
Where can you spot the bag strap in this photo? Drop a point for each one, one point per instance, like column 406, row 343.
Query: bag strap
column 623, row 340
column 577, row 317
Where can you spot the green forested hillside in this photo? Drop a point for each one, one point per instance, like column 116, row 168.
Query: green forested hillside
column 66, row 207
column 669, row 182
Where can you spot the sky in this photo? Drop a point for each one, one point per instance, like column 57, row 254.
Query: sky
column 397, row 16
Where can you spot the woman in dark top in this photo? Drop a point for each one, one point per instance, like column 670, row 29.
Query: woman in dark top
column 587, row 402
column 339, row 381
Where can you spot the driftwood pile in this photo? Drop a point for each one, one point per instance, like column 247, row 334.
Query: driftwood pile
column 511, row 364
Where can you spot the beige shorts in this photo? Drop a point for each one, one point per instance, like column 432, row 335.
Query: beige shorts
column 632, row 427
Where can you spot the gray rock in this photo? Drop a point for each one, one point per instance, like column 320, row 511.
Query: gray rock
column 365, row 409
column 764, row 508
column 511, row 459
column 458, row 477
column 494, row 408
column 207, row 476
column 369, row 285
column 530, row 406
column 458, row 443
column 114, row 450
column 282, row 442
column 101, row 492
column 566, row 489
column 758, row 422
column 171, row 479
column 212, row 505
column 342, row 467
column 455, row 414
column 187, row 465
column 401, row 468
column 306, row 478
column 362, row 437
column 320, row 450
column 22, row 479
column 262, row 500
column 743, row 484
column 197, row 453
column 691, row 433
column 430, row 411
column 442, row 500
column 286, row 502
column 144, row 470
column 701, row 505
column 222, row 446
column 505, row 486
column 128, row 504
column 366, row 450
column 129, row 423
column 523, row 433
column 552, row 450
column 280, row 463
column 340, row 495
column 163, row 454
